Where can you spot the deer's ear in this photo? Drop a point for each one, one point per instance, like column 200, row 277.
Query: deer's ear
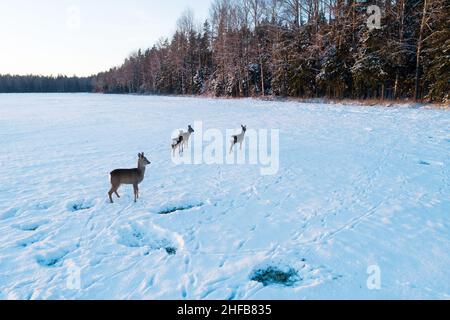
column 139, row 155
column 142, row 154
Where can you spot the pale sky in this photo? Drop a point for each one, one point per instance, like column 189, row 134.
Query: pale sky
column 83, row 37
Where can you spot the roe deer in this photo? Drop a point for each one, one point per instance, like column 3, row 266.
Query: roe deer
column 238, row 138
column 128, row 176
column 182, row 140
column 186, row 136
column 176, row 143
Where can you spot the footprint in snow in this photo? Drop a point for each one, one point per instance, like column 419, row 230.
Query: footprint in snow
column 42, row 206
column 52, row 258
column 30, row 226
column 136, row 235
column 24, row 243
column 79, row 205
column 8, row 214
column 424, row 163
column 176, row 208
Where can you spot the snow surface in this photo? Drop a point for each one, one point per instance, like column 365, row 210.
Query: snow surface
column 357, row 187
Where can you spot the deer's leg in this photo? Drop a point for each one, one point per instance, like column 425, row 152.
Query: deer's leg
column 231, row 148
column 240, row 147
column 115, row 191
column 110, row 194
column 135, row 188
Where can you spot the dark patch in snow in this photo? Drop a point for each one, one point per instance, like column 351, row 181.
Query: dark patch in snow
column 79, row 206
column 29, row 228
column 180, row 208
column 272, row 275
column 171, row 251
column 424, row 163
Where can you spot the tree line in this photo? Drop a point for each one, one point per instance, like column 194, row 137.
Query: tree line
column 298, row 48
column 30, row 83
column 288, row 48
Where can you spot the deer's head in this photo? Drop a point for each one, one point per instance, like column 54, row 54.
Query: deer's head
column 244, row 128
column 143, row 161
column 190, row 129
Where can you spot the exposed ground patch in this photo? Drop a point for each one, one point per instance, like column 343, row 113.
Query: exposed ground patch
column 274, row 275
column 171, row 251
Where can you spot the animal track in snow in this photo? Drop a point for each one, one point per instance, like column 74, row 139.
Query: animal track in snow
column 173, row 209
column 42, row 206
column 30, row 226
column 31, row 240
column 52, row 258
column 136, row 235
column 8, row 214
column 80, row 205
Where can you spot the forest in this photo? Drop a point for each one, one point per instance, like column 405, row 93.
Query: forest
column 298, row 48
column 288, row 48
column 44, row 84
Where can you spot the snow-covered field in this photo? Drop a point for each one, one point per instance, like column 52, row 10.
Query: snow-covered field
column 362, row 194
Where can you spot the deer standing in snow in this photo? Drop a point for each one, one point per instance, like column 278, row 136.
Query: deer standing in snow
column 128, row 176
column 238, row 138
column 182, row 140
